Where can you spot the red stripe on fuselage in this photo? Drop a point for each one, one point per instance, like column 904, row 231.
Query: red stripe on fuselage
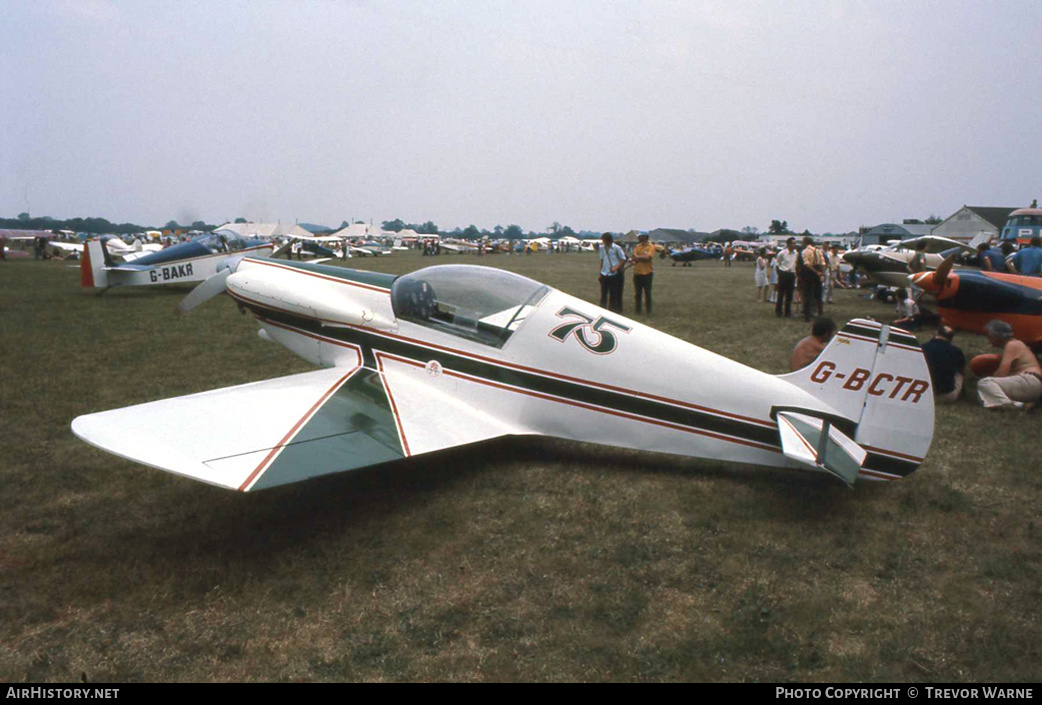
column 864, row 339
column 587, row 406
column 515, row 366
column 894, row 453
column 415, row 363
column 317, row 275
column 877, row 475
column 394, row 406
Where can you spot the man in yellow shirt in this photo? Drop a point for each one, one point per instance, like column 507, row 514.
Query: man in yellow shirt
column 812, row 276
column 642, row 257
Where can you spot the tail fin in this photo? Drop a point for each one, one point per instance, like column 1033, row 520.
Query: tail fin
column 877, row 376
column 92, row 265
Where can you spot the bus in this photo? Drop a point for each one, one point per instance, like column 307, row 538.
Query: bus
column 1022, row 225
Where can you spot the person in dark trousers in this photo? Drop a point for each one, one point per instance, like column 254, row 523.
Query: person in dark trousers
column 812, row 275
column 786, row 260
column 613, row 259
column 643, row 258
column 918, row 262
column 947, row 365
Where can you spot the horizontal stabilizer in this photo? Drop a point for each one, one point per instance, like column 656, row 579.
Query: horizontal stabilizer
column 130, row 268
column 289, row 429
column 256, row 435
column 816, row 442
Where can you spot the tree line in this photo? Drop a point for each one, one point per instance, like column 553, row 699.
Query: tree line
column 472, row 232
column 96, row 226
column 99, row 226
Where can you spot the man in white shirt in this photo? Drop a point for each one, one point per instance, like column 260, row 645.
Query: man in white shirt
column 786, row 260
column 908, row 315
column 612, row 261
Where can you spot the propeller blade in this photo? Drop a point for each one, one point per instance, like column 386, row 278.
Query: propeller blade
column 283, row 249
column 940, row 275
column 205, row 291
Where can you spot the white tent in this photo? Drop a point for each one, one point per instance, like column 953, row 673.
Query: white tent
column 355, row 231
column 266, row 231
column 410, row 233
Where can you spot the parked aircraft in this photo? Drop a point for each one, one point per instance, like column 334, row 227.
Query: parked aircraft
column 967, row 299
column 324, row 247
column 194, row 260
column 455, row 354
column 890, row 265
column 369, row 248
column 747, row 251
column 135, row 250
column 691, row 254
column 54, row 247
column 459, row 247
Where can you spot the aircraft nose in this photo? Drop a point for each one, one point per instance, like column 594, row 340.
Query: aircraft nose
column 924, row 280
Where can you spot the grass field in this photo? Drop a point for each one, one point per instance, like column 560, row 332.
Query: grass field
column 510, row 560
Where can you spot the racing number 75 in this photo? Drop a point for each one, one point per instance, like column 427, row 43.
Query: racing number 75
column 592, row 333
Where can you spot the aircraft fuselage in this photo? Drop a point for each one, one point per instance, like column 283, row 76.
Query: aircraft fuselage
column 568, row 369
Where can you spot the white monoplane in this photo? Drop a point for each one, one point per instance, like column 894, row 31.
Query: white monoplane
column 455, row 354
column 889, row 265
column 195, row 260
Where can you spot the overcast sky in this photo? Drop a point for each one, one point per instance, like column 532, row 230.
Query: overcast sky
column 595, row 114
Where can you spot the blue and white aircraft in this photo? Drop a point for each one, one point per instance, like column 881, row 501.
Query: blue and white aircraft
column 195, row 260
column 690, row 254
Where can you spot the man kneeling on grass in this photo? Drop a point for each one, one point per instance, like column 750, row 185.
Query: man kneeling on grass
column 1017, row 381
column 810, row 347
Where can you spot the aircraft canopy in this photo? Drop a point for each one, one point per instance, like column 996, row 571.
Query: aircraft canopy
column 478, row 303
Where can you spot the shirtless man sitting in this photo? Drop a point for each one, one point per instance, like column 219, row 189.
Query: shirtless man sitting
column 810, row 347
column 1017, row 381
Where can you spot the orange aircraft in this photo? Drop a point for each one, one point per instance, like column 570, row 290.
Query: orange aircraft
column 968, row 299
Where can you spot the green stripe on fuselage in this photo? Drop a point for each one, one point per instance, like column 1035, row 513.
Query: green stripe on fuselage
column 378, row 279
column 533, row 382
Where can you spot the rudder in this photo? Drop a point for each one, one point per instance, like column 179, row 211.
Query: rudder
column 93, row 274
column 877, row 376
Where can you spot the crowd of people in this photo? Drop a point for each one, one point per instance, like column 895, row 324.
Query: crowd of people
column 1011, row 379
column 808, row 277
column 1004, row 257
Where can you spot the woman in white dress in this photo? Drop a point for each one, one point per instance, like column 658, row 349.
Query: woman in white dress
column 760, row 277
column 774, row 280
